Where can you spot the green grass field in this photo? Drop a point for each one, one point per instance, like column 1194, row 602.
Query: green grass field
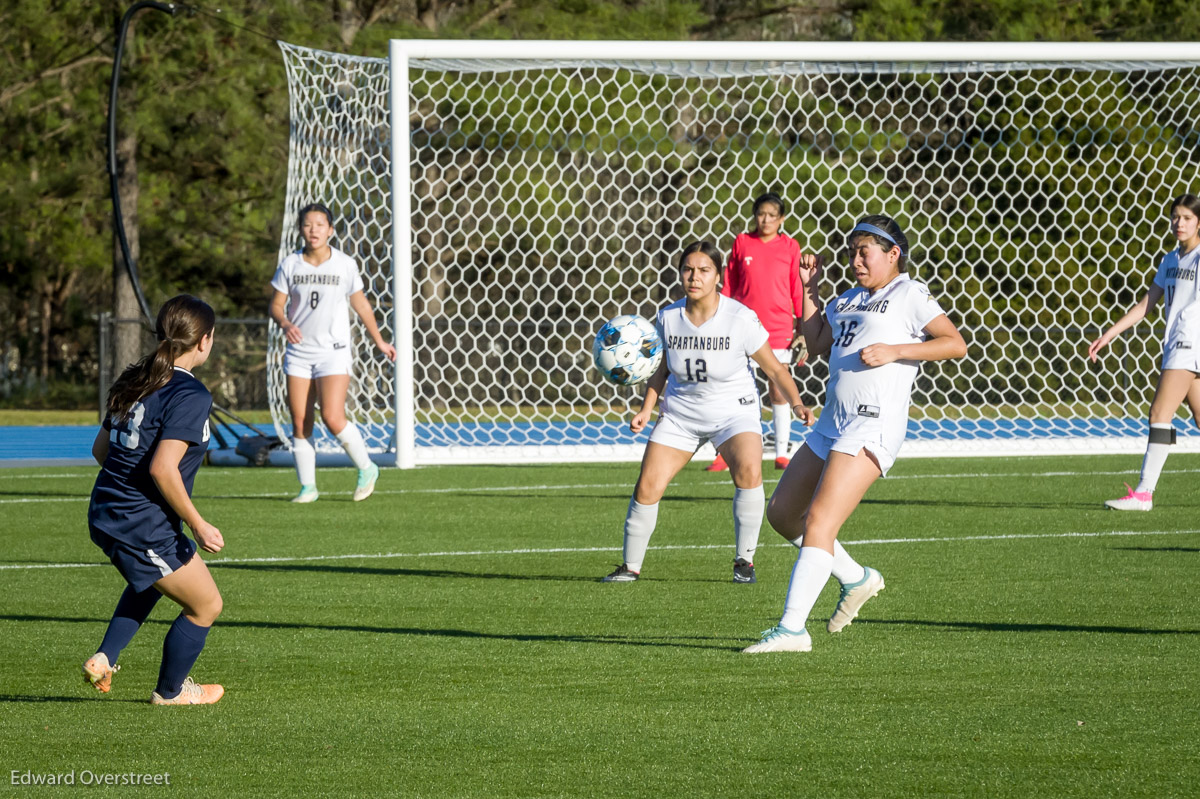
column 449, row 638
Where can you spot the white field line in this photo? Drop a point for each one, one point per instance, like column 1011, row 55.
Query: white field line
column 627, row 485
column 585, row 550
column 6, row 475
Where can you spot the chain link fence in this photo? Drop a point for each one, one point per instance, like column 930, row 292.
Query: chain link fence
column 236, row 373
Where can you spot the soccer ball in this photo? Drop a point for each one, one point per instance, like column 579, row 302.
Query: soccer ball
column 627, row 350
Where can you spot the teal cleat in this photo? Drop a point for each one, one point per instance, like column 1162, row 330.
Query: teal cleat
column 366, row 482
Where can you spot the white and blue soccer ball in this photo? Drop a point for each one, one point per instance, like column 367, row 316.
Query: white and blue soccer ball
column 627, row 350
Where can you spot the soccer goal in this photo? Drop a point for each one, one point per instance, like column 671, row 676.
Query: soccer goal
column 505, row 198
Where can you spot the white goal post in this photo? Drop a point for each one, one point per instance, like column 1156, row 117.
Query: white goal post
column 504, row 198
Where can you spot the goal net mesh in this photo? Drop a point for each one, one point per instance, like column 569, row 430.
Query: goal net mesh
column 548, row 197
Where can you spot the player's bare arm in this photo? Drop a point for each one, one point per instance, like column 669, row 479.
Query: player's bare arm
column 164, row 469
column 944, row 343
column 358, row 301
column 654, row 387
column 279, row 314
column 1134, row 315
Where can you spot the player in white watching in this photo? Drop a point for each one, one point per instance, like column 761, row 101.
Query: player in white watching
column 1175, row 280
column 710, row 395
column 314, row 289
column 876, row 335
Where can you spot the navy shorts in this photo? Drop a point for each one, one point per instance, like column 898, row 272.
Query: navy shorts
column 142, row 566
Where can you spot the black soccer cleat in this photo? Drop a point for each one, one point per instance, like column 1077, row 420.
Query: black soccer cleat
column 743, row 571
column 620, row 575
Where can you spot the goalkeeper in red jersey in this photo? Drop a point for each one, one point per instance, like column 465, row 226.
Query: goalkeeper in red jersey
column 764, row 274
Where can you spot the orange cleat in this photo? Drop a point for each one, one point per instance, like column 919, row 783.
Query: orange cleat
column 192, row 694
column 98, row 673
column 781, row 463
column 719, row 465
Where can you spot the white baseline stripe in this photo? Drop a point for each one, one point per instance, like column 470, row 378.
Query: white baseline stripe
column 626, row 485
column 584, row 550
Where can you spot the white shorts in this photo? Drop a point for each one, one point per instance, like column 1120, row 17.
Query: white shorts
column 783, row 356
column 1181, row 355
column 670, row 431
column 821, row 445
column 312, row 364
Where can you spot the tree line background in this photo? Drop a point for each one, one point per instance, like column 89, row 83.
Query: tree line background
column 204, row 130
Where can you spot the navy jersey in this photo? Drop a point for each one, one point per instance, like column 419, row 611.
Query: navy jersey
column 126, row 504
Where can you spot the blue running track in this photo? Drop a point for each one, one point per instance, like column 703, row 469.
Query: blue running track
column 72, row 443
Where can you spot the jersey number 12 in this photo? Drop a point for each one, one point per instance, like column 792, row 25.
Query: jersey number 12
column 701, row 375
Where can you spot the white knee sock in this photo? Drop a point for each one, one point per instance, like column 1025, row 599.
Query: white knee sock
column 748, row 507
column 846, row 570
column 809, row 575
column 1152, row 464
column 781, row 415
column 639, row 526
column 356, row 448
column 306, row 461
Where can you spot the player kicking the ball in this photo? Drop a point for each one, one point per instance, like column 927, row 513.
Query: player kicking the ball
column 710, row 395
column 876, row 335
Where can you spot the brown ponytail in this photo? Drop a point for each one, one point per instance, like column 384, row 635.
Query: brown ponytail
column 182, row 322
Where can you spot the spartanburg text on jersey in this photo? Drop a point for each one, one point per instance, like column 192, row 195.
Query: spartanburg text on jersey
column 318, row 298
column 868, row 402
column 1176, row 276
column 709, row 367
column 126, row 504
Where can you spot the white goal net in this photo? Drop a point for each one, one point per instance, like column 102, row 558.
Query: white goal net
column 542, row 188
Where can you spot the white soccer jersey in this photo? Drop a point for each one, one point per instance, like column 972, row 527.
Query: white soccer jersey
column 318, row 298
column 1176, row 276
column 871, row 403
column 710, row 373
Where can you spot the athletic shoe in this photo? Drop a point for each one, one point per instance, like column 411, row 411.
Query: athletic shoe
column 366, row 482
column 719, row 465
column 620, row 575
column 781, row 463
column 743, row 571
column 98, row 673
column 781, row 639
column 307, row 494
column 192, row 694
column 854, row 596
column 1134, row 500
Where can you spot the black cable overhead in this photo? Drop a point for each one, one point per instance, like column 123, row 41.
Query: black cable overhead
column 113, row 174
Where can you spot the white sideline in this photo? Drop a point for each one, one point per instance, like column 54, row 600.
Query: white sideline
column 585, row 550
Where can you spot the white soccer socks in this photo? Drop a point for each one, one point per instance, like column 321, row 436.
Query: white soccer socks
column 809, row 575
column 846, row 570
column 352, row 441
column 1156, row 457
column 306, row 461
column 749, row 504
column 781, row 417
column 640, row 521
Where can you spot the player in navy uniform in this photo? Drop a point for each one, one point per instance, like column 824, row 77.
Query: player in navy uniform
column 1176, row 279
column 314, row 290
column 709, row 341
column 149, row 448
column 876, row 335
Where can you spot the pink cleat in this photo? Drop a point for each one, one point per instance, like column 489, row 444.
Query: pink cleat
column 1134, row 500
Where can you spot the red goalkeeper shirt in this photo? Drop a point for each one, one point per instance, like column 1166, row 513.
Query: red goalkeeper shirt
column 766, row 277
